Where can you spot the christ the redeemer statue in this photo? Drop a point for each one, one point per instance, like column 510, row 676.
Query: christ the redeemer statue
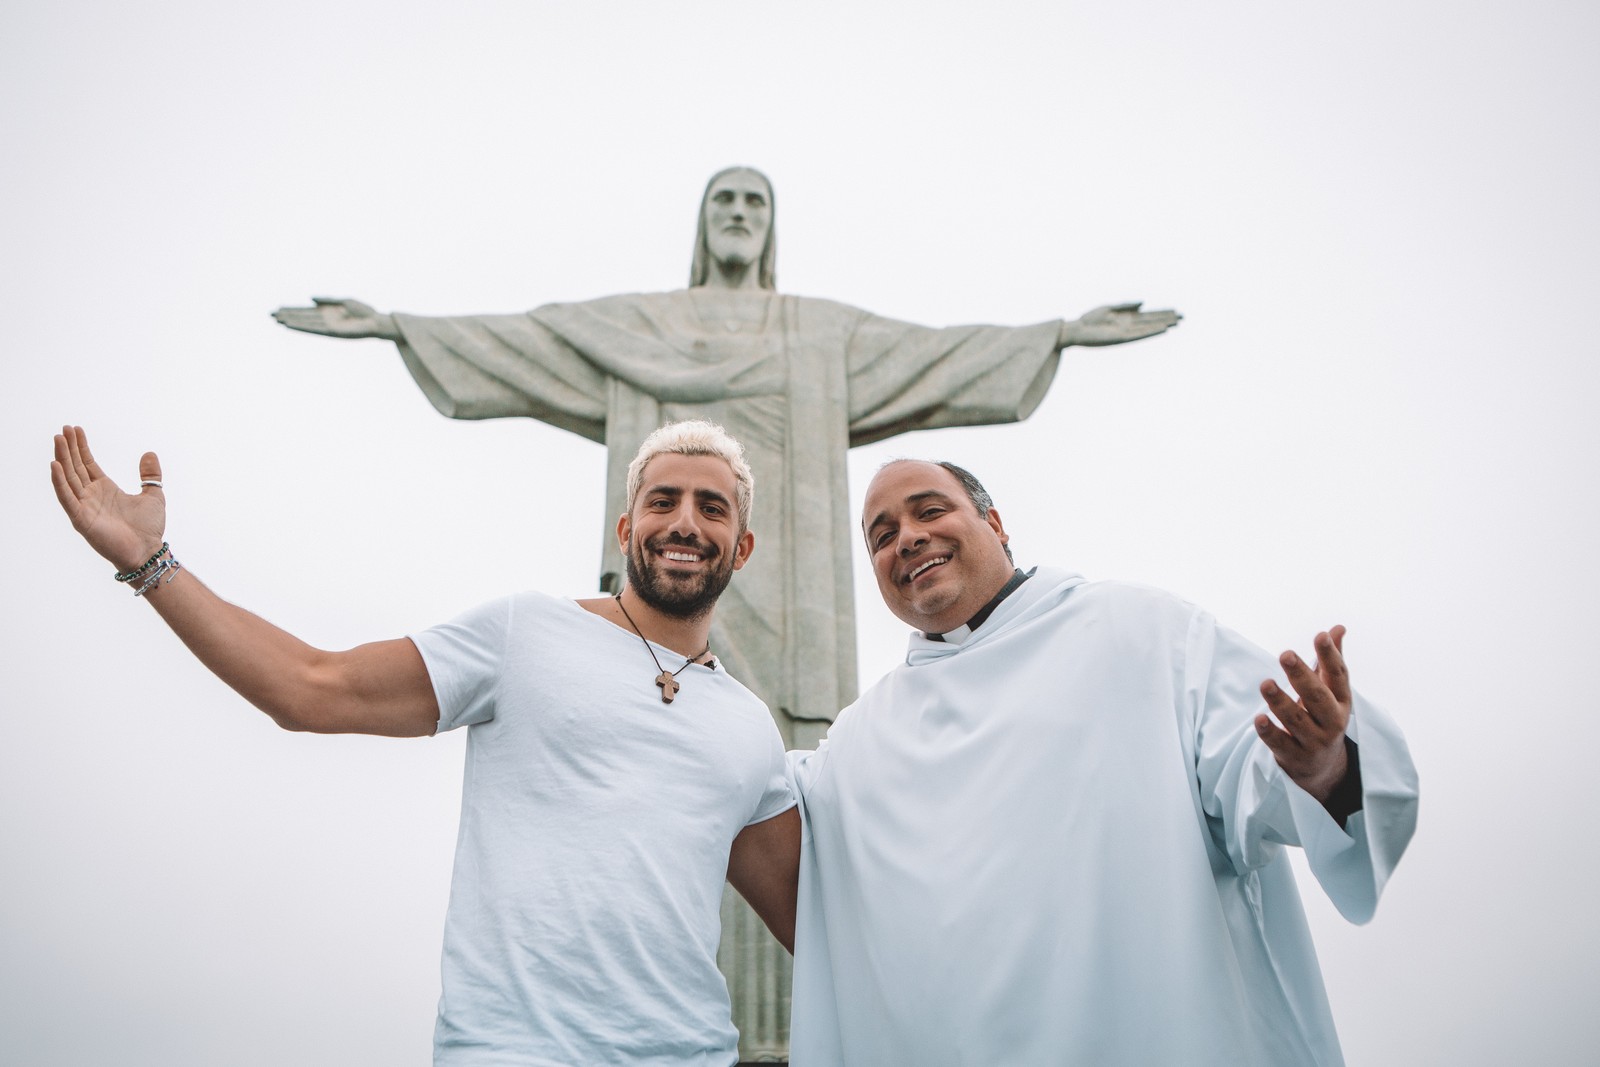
column 798, row 380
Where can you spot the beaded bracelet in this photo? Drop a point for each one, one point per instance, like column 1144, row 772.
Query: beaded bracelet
column 146, row 567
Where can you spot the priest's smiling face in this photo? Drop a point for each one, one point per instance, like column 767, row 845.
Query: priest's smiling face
column 937, row 560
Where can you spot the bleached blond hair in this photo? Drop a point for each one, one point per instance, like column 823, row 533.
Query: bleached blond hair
column 696, row 437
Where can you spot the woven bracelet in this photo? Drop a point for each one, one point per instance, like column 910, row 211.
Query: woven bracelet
column 146, row 567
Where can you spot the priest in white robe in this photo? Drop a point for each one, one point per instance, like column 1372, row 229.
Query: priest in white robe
column 1056, row 833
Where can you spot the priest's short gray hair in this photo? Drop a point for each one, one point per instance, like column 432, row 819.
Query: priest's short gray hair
column 696, row 437
column 975, row 492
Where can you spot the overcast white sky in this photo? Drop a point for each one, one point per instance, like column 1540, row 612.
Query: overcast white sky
column 1380, row 221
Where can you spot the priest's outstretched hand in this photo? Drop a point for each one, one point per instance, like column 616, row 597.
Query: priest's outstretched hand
column 1310, row 746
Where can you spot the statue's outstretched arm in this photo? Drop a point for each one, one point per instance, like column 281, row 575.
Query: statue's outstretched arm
column 339, row 318
column 1114, row 324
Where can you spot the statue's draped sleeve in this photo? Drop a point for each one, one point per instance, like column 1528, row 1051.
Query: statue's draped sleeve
column 905, row 377
column 491, row 366
column 557, row 364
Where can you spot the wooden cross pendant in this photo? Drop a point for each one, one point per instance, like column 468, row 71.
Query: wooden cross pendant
column 669, row 686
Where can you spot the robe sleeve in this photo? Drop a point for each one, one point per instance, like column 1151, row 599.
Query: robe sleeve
column 1252, row 806
column 904, row 377
column 491, row 366
column 814, row 1027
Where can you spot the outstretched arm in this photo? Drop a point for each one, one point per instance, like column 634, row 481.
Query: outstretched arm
column 339, row 318
column 1115, row 324
column 381, row 688
column 764, row 866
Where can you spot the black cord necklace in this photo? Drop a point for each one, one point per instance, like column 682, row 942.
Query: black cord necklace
column 667, row 682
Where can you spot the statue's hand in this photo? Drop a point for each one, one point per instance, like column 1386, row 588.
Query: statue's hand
column 1116, row 323
column 338, row 318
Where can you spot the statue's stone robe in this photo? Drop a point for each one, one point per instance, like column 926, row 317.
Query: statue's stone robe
column 813, row 379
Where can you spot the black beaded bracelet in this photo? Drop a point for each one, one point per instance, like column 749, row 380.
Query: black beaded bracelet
column 147, row 566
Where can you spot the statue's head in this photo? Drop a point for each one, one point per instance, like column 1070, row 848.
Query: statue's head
column 736, row 226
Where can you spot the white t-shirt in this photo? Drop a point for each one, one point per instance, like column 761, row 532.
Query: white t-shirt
column 595, row 827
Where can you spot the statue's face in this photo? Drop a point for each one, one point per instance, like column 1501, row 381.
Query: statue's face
column 738, row 217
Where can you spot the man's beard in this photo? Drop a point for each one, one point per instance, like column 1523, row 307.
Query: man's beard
column 683, row 598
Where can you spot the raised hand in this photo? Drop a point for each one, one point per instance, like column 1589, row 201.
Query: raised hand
column 338, row 318
column 1114, row 324
column 378, row 688
column 125, row 528
column 1310, row 746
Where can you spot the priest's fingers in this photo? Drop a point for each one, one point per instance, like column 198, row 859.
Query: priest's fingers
column 1315, row 696
column 1129, row 308
column 1331, row 664
column 1284, row 747
column 1316, row 770
column 1297, row 725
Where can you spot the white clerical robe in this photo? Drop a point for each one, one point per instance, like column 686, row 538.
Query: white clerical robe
column 1060, row 841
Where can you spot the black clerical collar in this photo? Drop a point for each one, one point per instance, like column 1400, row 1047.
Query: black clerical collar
column 1017, row 578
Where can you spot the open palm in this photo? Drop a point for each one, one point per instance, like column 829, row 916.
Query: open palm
column 125, row 528
column 335, row 317
column 1115, row 324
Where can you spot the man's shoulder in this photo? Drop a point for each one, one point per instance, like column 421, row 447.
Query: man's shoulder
column 517, row 608
column 1134, row 594
column 739, row 698
column 1115, row 602
column 535, row 600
